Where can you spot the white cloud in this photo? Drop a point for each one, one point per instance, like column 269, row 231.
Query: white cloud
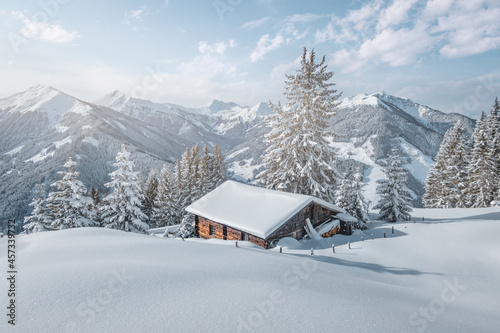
column 138, row 14
column 470, row 28
column 53, row 33
column 255, row 24
column 395, row 14
column 266, row 44
column 219, row 48
column 134, row 16
column 400, row 32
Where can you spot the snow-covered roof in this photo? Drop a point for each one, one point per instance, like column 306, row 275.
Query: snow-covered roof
column 252, row 209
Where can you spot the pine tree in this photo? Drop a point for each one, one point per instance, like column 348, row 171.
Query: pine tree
column 481, row 169
column 95, row 196
column 122, row 207
column 69, row 206
column 219, row 168
column 360, row 206
column 298, row 154
column 344, row 197
column 394, row 203
column 208, row 170
column 94, row 213
column 446, row 183
column 455, row 171
column 150, row 193
column 167, row 212
column 38, row 220
column 494, row 136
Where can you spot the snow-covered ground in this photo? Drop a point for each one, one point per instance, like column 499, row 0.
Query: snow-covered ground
column 437, row 275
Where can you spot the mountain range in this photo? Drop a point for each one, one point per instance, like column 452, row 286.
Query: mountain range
column 42, row 126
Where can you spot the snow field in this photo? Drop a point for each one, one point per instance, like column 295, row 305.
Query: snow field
column 440, row 275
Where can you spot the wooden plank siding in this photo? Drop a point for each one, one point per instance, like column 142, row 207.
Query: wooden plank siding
column 316, row 213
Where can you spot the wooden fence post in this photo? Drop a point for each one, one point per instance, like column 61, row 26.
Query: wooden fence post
column 393, row 229
column 385, row 235
column 281, row 249
column 333, row 248
column 312, row 251
column 349, row 243
column 236, row 243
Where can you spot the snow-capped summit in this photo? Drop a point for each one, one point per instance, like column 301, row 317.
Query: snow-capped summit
column 134, row 107
column 360, row 99
column 217, row 106
column 50, row 102
column 115, row 98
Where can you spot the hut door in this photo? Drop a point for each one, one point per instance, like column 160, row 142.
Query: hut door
column 224, row 232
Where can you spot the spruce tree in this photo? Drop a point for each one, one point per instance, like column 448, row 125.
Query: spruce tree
column 94, row 213
column 166, row 213
column 38, row 220
column 298, row 154
column 69, row 206
column 344, row 198
column 359, row 206
column 395, row 202
column 481, row 169
column 494, row 136
column 122, row 207
column 150, row 192
column 219, row 167
column 455, row 171
column 446, row 183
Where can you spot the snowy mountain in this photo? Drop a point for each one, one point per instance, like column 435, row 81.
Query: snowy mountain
column 41, row 127
column 367, row 127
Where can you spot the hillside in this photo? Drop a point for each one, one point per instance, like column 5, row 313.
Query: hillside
column 440, row 275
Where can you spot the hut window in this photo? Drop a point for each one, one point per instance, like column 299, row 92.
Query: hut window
column 211, row 230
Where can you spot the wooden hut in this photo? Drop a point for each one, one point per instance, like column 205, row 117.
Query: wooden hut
column 236, row 211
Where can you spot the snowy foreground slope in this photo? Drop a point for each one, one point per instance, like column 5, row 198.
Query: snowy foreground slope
column 440, row 275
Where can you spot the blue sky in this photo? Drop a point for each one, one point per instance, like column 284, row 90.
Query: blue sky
column 442, row 53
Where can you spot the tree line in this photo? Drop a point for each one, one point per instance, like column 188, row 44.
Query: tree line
column 467, row 170
column 130, row 205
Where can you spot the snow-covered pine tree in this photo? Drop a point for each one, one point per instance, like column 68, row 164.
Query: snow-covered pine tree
column 455, row 171
column 95, row 197
column 121, row 208
column 39, row 219
column 69, row 205
column 187, row 227
column 202, row 181
column 209, row 176
column 298, row 154
column 481, row 169
column 395, row 202
column 167, row 212
column 344, row 193
column 180, row 192
column 194, row 174
column 219, row 168
column 359, row 206
column 445, row 185
column 150, row 193
column 494, row 136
